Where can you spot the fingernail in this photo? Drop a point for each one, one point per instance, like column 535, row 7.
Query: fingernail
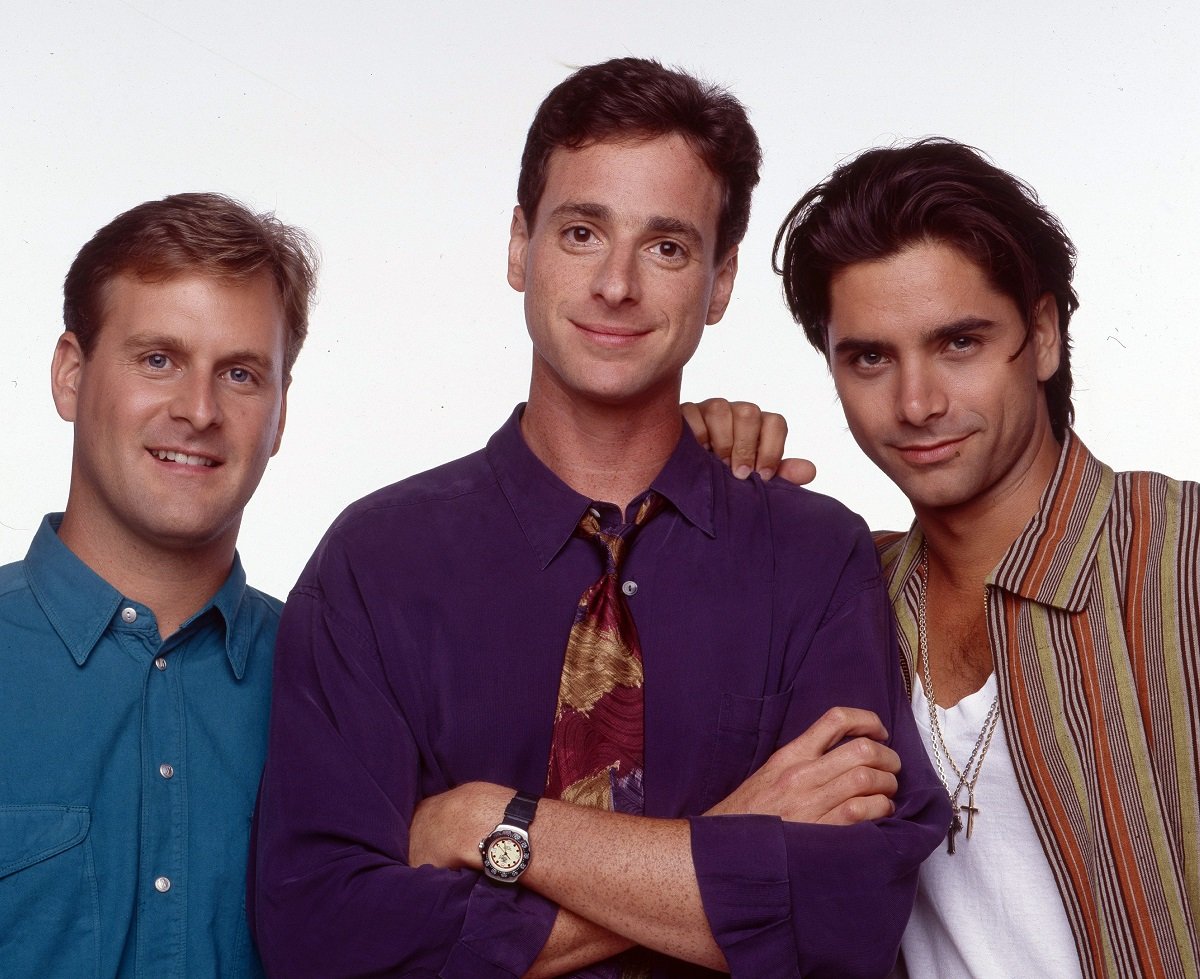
column 741, row 472
column 766, row 473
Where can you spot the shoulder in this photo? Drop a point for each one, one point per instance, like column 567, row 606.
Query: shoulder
column 13, row 580
column 415, row 498
column 1128, row 495
column 1152, row 512
column 1136, row 485
column 261, row 605
column 393, row 526
column 797, row 508
column 808, row 533
column 16, row 596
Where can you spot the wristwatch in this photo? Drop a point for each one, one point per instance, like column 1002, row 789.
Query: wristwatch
column 505, row 850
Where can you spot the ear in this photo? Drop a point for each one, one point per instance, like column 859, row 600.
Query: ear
column 518, row 244
column 66, row 369
column 1047, row 343
column 282, row 417
column 722, row 289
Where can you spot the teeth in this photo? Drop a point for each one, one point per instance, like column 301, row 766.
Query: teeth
column 166, row 455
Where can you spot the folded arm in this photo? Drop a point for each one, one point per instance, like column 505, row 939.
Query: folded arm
column 634, row 876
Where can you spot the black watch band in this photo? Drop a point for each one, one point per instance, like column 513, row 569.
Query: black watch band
column 520, row 811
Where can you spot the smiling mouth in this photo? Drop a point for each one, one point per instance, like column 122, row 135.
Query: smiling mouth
column 932, row 452
column 181, row 458
column 610, row 334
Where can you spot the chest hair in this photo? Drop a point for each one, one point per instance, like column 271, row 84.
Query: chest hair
column 960, row 658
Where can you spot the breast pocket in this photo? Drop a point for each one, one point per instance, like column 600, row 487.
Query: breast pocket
column 49, row 906
column 747, row 734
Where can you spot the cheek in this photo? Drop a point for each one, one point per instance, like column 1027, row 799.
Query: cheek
column 862, row 404
column 258, row 428
column 113, row 410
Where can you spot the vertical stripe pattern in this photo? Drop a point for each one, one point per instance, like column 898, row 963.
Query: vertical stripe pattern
column 1094, row 628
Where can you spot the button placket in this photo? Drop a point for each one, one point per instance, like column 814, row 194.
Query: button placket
column 164, row 839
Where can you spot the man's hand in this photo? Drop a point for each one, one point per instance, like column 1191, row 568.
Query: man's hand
column 746, row 438
column 446, row 828
column 809, row 780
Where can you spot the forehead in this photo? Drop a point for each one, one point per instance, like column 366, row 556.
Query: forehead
column 195, row 308
column 923, row 286
column 636, row 179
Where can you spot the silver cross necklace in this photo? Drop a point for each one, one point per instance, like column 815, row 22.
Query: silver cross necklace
column 968, row 775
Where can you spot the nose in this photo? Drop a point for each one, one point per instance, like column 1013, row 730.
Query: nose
column 616, row 277
column 196, row 401
column 921, row 396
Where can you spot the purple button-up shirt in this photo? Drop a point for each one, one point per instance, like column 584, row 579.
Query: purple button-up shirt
column 422, row 648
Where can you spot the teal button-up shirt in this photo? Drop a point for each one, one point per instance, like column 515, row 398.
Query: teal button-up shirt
column 128, row 771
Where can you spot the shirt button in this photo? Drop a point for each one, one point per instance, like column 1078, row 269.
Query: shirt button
column 629, row 588
column 129, row 615
column 162, row 884
column 161, row 662
column 165, row 770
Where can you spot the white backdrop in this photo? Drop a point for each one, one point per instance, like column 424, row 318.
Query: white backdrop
column 392, row 132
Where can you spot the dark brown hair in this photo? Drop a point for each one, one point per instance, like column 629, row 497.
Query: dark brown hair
column 208, row 234
column 937, row 190
column 633, row 98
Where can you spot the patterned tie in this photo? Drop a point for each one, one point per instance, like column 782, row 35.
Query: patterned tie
column 596, row 752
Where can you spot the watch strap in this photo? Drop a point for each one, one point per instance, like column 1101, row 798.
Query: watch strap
column 521, row 810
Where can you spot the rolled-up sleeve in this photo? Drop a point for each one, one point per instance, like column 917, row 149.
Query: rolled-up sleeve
column 794, row 899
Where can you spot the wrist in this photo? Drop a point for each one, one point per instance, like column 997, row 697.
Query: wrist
column 505, row 851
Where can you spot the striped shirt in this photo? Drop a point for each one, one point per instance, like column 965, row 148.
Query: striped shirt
column 1094, row 626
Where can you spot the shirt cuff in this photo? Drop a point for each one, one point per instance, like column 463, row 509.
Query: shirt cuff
column 505, row 928
column 742, row 868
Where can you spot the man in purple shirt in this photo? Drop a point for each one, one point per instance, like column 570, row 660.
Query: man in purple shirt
column 787, row 800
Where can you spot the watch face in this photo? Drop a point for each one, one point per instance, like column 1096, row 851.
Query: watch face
column 504, row 854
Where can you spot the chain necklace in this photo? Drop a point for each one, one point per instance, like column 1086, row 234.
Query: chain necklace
column 968, row 775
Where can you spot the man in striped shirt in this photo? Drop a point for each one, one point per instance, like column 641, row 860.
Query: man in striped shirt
column 1048, row 608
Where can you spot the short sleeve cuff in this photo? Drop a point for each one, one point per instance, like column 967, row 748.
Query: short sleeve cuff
column 742, row 868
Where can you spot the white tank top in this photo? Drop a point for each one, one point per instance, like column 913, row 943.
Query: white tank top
column 990, row 910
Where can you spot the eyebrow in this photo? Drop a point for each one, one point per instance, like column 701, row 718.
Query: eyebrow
column 965, row 324
column 658, row 224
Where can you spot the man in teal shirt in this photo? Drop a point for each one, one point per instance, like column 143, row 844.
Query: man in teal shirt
column 135, row 662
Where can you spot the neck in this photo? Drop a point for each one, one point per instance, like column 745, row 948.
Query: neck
column 173, row 583
column 604, row 452
column 967, row 541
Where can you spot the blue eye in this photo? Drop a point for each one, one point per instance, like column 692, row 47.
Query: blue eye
column 157, row 361
column 240, row 375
